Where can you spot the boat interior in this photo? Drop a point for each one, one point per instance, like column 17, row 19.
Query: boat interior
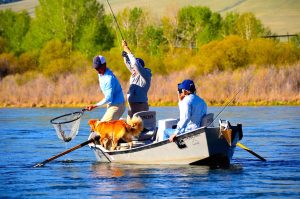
column 154, row 130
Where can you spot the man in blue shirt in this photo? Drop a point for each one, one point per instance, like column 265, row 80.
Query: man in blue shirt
column 140, row 81
column 111, row 89
column 192, row 109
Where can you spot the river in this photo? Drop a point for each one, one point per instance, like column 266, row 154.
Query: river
column 27, row 137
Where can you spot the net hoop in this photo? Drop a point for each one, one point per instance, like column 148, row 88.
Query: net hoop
column 67, row 126
column 80, row 113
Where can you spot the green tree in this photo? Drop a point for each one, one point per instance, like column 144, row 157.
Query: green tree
column 229, row 24
column 211, row 31
column 3, row 45
column 191, row 22
column 169, row 28
column 133, row 22
column 95, row 37
column 152, row 39
column 13, row 27
column 80, row 23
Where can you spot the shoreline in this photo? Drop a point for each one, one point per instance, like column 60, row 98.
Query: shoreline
column 157, row 104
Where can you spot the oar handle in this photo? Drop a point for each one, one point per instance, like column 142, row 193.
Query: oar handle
column 67, row 151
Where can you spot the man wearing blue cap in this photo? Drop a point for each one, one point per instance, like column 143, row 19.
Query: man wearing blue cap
column 140, row 81
column 192, row 109
column 111, row 89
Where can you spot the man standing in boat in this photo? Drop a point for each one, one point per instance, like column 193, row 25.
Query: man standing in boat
column 112, row 90
column 140, row 81
column 192, row 109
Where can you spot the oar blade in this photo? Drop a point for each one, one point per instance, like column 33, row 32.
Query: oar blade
column 250, row 151
column 38, row 165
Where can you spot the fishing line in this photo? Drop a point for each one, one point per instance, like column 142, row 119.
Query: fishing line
column 115, row 19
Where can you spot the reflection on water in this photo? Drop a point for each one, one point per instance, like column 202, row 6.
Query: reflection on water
column 106, row 170
column 110, row 170
column 112, row 177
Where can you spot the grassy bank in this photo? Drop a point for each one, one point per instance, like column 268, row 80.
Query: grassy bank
column 157, row 104
column 263, row 86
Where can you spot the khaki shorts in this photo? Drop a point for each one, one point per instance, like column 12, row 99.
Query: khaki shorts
column 137, row 107
column 113, row 112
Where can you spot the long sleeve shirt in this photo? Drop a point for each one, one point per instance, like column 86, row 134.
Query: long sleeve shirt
column 192, row 109
column 111, row 89
column 139, row 81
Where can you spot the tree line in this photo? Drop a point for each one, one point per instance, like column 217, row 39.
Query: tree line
column 64, row 36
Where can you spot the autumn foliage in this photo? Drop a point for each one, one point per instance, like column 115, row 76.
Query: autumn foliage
column 46, row 60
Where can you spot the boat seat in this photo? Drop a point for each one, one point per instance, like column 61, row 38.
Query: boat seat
column 149, row 122
column 208, row 120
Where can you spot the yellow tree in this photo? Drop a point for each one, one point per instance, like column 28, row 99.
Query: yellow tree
column 249, row 27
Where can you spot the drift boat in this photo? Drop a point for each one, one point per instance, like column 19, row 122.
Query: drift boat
column 208, row 145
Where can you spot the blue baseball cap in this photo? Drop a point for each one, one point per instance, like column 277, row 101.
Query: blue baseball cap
column 140, row 61
column 188, row 85
column 98, row 61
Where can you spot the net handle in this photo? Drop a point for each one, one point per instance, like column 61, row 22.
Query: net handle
column 80, row 115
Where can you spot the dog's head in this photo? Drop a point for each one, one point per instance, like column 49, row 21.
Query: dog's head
column 93, row 123
column 136, row 124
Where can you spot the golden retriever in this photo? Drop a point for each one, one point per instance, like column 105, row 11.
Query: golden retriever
column 113, row 131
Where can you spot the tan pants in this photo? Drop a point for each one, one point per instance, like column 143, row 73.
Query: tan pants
column 137, row 107
column 113, row 112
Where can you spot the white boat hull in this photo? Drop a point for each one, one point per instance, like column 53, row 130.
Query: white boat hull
column 202, row 146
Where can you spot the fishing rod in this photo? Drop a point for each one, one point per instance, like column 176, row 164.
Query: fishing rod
column 115, row 19
column 231, row 100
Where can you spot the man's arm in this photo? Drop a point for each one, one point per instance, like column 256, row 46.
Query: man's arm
column 185, row 115
column 133, row 63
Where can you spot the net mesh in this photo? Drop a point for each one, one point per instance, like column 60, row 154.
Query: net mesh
column 67, row 126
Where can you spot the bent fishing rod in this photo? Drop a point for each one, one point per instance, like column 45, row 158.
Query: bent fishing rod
column 115, row 19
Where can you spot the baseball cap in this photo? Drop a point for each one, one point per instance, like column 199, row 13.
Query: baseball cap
column 188, row 85
column 140, row 61
column 98, row 61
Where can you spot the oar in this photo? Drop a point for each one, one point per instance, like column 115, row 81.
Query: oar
column 67, row 151
column 250, row 151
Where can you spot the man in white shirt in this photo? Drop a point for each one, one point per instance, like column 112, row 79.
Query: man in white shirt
column 192, row 109
column 140, row 81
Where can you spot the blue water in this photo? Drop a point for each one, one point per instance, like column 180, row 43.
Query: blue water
column 27, row 138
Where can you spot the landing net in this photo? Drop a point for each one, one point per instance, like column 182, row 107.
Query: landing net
column 67, row 126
